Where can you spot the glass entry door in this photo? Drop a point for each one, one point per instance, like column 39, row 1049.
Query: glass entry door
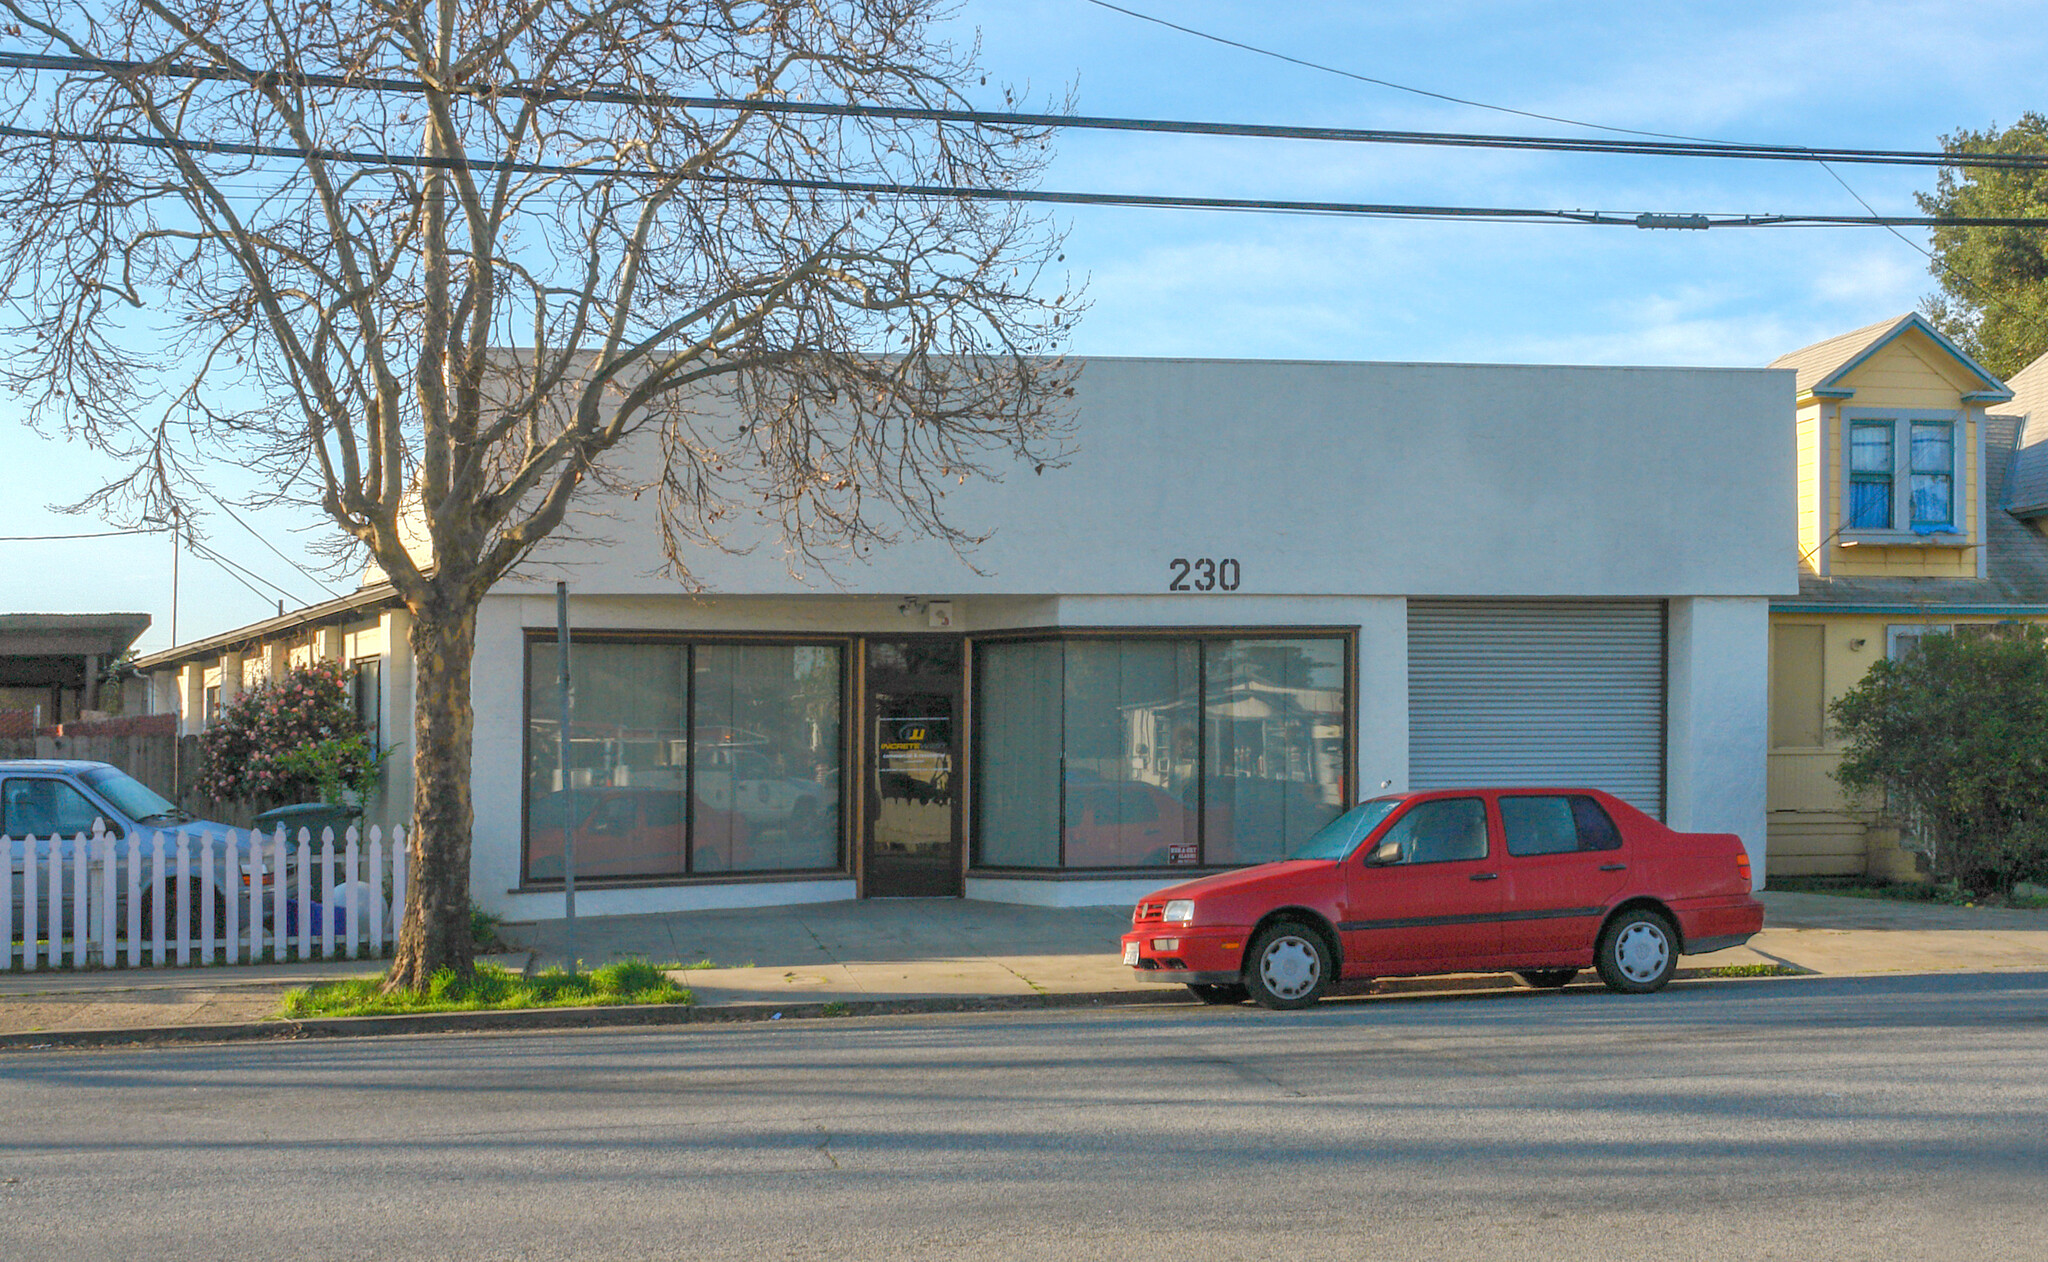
column 913, row 820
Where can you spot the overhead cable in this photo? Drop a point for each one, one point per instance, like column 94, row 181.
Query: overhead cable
column 873, row 189
column 1682, row 148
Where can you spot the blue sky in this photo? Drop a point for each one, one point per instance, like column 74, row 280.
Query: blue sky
column 1215, row 284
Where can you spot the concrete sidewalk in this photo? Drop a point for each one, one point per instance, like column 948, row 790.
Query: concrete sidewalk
column 936, row 948
column 883, row 950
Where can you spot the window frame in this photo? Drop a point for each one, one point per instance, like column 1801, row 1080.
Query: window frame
column 1385, row 827
column 373, row 721
column 1203, row 636
column 542, row 640
column 1571, row 801
column 1904, row 526
column 1898, row 634
column 101, row 811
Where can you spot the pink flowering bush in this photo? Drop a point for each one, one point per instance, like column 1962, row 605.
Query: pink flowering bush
column 291, row 739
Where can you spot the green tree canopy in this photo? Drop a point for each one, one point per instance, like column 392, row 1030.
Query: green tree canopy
column 1956, row 733
column 1994, row 281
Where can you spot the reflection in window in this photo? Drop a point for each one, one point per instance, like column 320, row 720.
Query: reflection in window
column 1870, row 475
column 45, row 808
column 1130, row 752
column 1274, row 719
column 1538, row 825
column 1933, row 450
column 1442, row 831
column 767, row 758
column 1131, row 712
column 625, row 753
column 366, row 693
column 767, row 743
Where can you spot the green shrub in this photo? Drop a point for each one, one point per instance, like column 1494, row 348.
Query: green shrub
column 1956, row 735
column 292, row 739
column 483, row 927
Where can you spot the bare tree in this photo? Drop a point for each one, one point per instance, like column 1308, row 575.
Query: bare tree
column 424, row 265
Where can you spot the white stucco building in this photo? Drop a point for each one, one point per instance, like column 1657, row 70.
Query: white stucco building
column 1259, row 590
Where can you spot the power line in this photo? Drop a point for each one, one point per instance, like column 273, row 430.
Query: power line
column 97, row 534
column 219, row 560
column 1386, row 83
column 236, row 570
column 1943, row 267
column 314, row 578
column 973, row 193
column 1483, row 105
column 1689, row 147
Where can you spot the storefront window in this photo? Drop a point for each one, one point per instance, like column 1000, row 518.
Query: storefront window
column 767, row 758
column 1131, row 712
column 1156, row 751
column 1017, row 785
column 1273, row 715
column 766, row 739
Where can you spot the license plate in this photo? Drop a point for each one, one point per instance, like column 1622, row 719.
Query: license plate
column 1131, row 954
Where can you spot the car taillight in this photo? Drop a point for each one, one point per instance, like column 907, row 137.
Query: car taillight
column 1742, row 865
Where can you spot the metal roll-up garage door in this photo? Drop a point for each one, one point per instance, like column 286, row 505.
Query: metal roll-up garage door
column 1538, row 692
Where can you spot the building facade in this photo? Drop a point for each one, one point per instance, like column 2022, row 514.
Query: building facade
column 1256, row 592
column 1912, row 520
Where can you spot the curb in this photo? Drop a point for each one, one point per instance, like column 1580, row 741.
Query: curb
column 561, row 1019
column 657, row 1015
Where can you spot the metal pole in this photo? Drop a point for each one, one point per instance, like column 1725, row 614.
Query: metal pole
column 568, row 790
column 178, row 728
column 175, row 550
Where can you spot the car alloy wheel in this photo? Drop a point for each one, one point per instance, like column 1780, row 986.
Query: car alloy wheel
column 1290, row 967
column 1637, row 952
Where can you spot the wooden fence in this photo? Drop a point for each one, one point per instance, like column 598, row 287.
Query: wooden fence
column 182, row 898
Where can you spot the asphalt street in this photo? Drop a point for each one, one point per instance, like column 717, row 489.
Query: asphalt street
column 1896, row 1117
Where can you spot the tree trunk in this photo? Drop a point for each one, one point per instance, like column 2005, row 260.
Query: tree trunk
column 434, row 934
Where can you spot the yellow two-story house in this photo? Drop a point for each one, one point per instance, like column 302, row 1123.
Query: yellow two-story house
column 1906, row 449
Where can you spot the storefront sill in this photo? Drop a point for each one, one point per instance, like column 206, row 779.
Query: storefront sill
column 684, row 882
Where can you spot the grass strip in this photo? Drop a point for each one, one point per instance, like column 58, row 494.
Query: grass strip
column 1751, row 970
column 490, row 988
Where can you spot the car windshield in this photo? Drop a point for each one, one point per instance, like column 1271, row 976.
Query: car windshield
column 130, row 796
column 1340, row 836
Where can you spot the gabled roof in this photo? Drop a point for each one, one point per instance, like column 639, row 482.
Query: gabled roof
column 1819, row 368
column 2029, row 494
column 2015, row 560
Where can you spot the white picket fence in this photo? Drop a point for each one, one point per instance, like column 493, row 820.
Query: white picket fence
column 333, row 901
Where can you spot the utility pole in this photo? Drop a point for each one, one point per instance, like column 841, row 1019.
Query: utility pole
column 175, row 550
column 178, row 728
column 568, row 789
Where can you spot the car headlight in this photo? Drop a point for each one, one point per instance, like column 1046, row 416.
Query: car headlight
column 1181, row 910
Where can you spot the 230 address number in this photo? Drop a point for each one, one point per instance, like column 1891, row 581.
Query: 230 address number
column 1204, row 575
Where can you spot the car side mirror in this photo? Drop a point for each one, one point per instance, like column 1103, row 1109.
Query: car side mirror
column 1384, row 855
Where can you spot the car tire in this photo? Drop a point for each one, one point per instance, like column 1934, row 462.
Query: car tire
column 1548, row 978
column 198, row 896
column 1289, row 966
column 1637, row 952
column 1221, row 993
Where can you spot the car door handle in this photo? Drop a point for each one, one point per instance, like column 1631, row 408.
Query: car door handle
column 1614, row 867
column 1486, row 876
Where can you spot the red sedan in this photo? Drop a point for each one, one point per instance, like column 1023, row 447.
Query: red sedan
column 1541, row 882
